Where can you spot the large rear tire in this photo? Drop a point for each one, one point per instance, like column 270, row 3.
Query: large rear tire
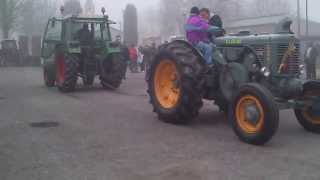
column 173, row 86
column 66, row 72
column 253, row 114
column 113, row 71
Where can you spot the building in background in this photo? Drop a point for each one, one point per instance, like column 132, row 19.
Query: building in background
column 116, row 32
column 266, row 24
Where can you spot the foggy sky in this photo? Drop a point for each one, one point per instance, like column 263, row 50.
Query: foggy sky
column 115, row 7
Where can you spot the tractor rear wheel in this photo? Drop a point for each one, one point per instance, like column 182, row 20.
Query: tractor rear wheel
column 309, row 119
column 253, row 114
column 173, row 86
column 49, row 75
column 66, row 72
column 113, row 71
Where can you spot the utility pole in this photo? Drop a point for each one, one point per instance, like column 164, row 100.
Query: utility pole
column 307, row 18
column 299, row 18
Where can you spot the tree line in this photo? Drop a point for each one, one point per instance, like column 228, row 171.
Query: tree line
column 29, row 17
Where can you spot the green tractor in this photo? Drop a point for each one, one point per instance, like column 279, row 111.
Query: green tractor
column 66, row 57
column 254, row 76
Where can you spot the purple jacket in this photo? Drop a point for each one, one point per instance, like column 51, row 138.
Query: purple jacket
column 196, row 35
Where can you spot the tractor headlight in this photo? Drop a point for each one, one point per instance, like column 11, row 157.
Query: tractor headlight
column 302, row 69
column 265, row 71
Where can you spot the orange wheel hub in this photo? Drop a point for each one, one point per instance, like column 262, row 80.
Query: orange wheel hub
column 166, row 84
column 249, row 114
column 311, row 116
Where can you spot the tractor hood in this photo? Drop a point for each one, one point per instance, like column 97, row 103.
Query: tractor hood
column 282, row 33
column 256, row 39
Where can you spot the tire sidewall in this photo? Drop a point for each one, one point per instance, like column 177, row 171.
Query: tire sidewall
column 306, row 124
column 159, row 108
column 271, row 115
column 71, row 63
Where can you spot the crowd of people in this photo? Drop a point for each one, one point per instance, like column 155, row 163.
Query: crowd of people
column 139, row 58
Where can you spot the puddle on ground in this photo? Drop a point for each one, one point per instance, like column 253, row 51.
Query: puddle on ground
column 44, row 124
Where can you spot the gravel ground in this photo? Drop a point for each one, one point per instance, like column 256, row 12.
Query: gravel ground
column 105, row 135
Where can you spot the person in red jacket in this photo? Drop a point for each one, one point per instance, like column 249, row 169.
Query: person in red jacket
column 133, row 54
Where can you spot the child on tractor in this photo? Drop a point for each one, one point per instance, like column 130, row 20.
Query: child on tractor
column 197, row 29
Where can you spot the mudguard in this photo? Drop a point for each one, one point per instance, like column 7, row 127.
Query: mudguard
column 311, row 88
column 216, row 55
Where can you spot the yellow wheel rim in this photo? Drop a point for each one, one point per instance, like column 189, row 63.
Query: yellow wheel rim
column 314, row 119
column 166, row 84
column 244, row 115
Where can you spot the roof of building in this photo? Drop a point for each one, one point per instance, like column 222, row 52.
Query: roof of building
column 255, row 21
column 262, row 20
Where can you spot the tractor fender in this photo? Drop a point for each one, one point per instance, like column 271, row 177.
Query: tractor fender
column 186, row 43
column 217, row 55
column 232, row 76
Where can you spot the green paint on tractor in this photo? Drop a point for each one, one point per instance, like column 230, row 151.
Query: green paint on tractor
column 252, row 78
column 66, row 57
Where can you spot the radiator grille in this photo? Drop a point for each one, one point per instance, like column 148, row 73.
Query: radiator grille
column 293, row 61
column 261, row 53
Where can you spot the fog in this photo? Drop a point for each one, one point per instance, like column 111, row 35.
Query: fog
column 159, row 17
column 115, row 7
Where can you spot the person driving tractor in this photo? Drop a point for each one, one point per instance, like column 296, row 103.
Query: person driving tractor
column 84, row 35
column 197, row 29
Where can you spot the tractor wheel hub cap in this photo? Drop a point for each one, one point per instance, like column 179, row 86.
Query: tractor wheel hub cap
column 252, row 114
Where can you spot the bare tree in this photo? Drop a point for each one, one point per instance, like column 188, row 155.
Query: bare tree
column 72, row 7
column 35, row 14
column 89, row 8
column 9, row 10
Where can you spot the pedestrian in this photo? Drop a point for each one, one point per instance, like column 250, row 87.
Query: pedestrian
column 125, row 55
column 311, row 56
column 149, row 53
column 133, row 54
column 141, row 60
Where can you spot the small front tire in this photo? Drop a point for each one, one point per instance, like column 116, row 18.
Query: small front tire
column 309, row 119
column 253, row 114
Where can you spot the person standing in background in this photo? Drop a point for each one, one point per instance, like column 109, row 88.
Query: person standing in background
column 133, row 54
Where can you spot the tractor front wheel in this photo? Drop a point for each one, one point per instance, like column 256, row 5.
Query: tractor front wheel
column 253, row 114
column 66, row 72
column 113, row 71
column 309, row 119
